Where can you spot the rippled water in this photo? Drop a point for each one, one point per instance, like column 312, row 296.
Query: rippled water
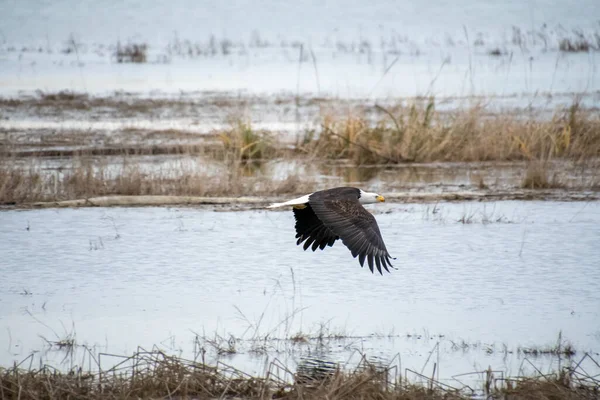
column 349, row 48
column 511, row 273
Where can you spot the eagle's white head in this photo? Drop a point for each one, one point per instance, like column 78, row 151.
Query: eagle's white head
column 370, row 197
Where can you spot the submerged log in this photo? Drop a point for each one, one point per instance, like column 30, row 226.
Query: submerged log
column 259, row 202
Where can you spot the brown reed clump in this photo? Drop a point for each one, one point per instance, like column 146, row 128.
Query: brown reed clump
column 132, row 53
column 556, row 387
column 89, row 177
column 153, row 375
column 243, row 143
column 411, row 133
column 537, row 176
column 414, row 132
column 418, row 133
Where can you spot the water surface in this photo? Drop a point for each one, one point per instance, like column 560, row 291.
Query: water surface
column 471, row 277
column 348, row 49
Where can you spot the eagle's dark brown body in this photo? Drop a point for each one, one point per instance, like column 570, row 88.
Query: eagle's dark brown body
column 337, row 213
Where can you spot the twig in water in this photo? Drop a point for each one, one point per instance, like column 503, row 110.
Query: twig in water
column 437, row 345
column 444, row 63
column 385, row 73
column 522, row 242
column 314, row 60
column 579, row 211
column 297, row 99
column 470, row 60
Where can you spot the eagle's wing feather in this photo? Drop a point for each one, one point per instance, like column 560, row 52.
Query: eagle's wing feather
column 357, row 228
column 309, row 228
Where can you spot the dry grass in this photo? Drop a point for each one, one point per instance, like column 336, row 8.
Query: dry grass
column 243, row 143
column 132, row 53
column 412, row 133
column 537, row 176
column 90, row 178
column 561, row 348
column 152, row 375
column 579, row 43
column 556, row 388
column 418, row 133
column 118, row 105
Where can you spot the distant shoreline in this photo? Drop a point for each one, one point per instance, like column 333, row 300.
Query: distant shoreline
column 247, row 149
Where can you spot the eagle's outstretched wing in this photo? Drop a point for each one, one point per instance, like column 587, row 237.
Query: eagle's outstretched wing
column 347, row 218
column 310, row 230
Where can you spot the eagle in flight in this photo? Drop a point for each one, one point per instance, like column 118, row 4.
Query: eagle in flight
column 328, row 215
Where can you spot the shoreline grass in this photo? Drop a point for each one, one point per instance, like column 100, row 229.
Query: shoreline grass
column 129, row 182
column 543, row 38
column 419, row 133
column 88, row 179
column 408, row 132
column 405, row 134
column 154, row 374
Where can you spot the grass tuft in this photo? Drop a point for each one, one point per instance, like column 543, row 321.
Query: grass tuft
column 417, row 132
column 420, row 133
column 88, row 177
column 537, row 177
column 132, row 53
column 578, row 44
column 299, row 337
column 562, row 348
column 242, row 143
column 154, row 374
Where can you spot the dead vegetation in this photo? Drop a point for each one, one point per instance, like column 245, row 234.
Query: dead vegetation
column 579, row 43
column 88, row 178
column 408, row 133
column 154, row 374
column 411, row 131
column 537, row 177
column 242, row 143
column 544, row 38
column 131, row 53
column 418, row 133
column 561, row 348
column 120, row 105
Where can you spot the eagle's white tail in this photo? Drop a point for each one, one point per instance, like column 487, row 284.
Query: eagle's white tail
column 295, row 202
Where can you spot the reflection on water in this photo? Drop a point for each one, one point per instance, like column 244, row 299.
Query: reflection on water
column 250, row 168
column 475, row 281
column 313, row 369
column 451, row 176
column 352, row 174
column 434, row 177
column 408, row 174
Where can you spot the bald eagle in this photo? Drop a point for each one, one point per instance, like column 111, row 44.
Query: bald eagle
column 328, row 215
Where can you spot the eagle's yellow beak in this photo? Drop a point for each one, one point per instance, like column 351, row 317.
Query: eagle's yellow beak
column 380, row 198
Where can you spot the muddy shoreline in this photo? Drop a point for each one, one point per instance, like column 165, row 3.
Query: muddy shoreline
column 63, row 148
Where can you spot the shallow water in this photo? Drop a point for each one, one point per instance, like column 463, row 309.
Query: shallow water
column 436, row 48
column 41, row 21
column 493, row 177
column 514, row 274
